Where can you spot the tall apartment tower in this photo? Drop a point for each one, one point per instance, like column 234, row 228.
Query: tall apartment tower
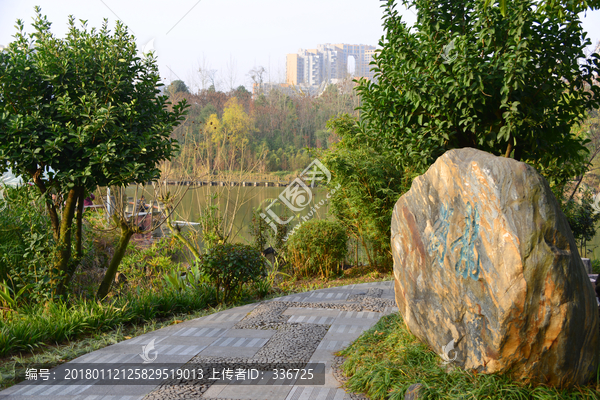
column 328, row 62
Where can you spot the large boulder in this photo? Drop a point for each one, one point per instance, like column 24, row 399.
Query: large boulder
column 484, row 257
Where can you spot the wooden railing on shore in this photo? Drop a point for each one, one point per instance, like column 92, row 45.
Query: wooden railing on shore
column 225, row 183
column 233, row 180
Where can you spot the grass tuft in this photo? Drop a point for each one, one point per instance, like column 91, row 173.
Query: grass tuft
column 386, row 359
column 57, row 322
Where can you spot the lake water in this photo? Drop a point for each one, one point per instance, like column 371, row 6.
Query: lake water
column 194, row 200
column 237, row 203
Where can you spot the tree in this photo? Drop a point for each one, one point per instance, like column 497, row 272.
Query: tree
column 468, row 77
column 139, row 217
column 236, row 125
column 565, row 5
column 257, row 75
column 370, row 181
column 178, row 86
column 77, row 113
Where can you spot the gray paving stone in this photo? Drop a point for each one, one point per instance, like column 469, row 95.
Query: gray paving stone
column 350, row 326
column 98, row 357
column 335, row 334
column 229, row 351
column 240, row 342
column 316, row 393
column 18, row 397
column 225, row 317
column 322, row 355
column 244, row 392
column 209, row 330
column 249, row 333
column 189, row 340
column 329, row 296
column 359, row 315
column 311, row 319
column 333, row 345
column 292, row 298
column 390, row 310
column 121, row 390
column 321, row 312
column 305, row 327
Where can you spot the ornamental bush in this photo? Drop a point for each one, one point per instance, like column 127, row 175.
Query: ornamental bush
column 229, row 266
column 26, row 244
column 317, row 247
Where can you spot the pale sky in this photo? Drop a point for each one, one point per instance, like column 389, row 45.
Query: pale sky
column 230, row 36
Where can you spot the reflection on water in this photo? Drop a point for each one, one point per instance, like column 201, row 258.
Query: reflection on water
column 244, row 200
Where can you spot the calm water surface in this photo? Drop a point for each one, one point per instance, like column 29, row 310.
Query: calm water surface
column 195, row 201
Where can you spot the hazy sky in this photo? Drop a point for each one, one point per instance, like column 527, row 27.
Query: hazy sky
column 230, row 36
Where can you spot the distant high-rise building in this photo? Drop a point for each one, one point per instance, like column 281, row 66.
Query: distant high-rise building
column 327, row 63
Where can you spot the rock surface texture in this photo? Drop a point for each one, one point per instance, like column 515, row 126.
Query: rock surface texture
column 484, row 256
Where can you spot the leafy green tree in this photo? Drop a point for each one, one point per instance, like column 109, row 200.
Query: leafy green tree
column 565, row 5
column 77, row 113
column 206, row 112
column 178, row 86
column 468, row 77
column 582, row 217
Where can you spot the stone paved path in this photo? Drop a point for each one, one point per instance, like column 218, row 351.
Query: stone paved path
column 300, row 328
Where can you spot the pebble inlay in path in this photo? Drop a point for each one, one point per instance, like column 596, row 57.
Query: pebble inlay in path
column 301, row 328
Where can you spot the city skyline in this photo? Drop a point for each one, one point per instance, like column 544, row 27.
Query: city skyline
column 329, row 63
column 228, row 37
column 231, row 37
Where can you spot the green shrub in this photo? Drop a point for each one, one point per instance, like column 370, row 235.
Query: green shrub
column 26, row 243
column 369, row 181
column 595, row 266
column 317, row 247
column 582, row 218
column 229, row 266
column 263, row 235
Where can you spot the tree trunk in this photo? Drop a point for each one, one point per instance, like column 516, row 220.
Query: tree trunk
column 509, row 148
column 79, row 226
column 36, row 177
column 64, row 244
column 366, row 250
column 181, row 238
column 126, row 233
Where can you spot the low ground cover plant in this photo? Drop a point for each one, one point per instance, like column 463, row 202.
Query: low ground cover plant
column 386, row 359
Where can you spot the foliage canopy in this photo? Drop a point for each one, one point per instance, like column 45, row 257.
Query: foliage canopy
column 465, row 76
column 80, row 112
